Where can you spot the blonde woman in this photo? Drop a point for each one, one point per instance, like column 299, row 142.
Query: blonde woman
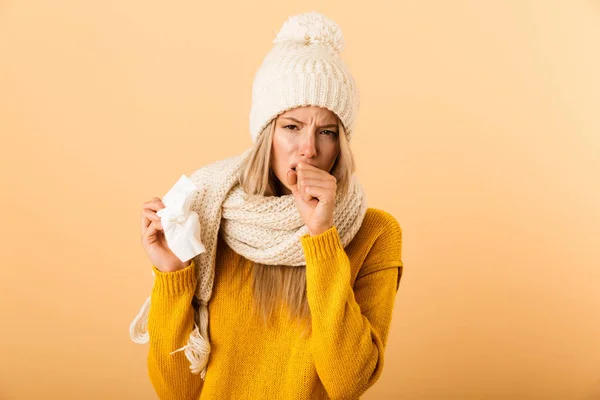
column 294, row 296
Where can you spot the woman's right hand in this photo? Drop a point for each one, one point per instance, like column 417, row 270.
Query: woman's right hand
column 154, row 240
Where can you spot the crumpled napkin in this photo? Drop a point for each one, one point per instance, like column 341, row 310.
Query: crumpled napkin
column 180, row 224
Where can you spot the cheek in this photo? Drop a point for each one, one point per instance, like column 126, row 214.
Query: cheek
column 278, row 155
column 282, row 139
column 282, row 147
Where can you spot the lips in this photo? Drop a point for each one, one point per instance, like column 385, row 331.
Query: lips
column 293, row 166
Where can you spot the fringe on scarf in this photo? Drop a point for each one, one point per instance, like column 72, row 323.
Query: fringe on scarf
column 198, row 348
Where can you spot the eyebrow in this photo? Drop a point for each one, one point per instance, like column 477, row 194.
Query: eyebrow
column 300, row 122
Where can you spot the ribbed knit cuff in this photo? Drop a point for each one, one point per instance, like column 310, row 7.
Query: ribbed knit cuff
column 175, row 283
column 322, row 246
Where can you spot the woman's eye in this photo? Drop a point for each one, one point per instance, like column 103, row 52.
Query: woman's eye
column 330, row 133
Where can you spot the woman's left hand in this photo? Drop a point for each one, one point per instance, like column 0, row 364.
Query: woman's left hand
column 314, row 192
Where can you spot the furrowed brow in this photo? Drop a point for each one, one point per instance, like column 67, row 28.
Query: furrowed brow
column 300, row 122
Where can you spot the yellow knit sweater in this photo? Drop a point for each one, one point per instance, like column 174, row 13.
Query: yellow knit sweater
column 351, row 295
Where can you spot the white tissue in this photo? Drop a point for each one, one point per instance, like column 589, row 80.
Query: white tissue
column 180, row 224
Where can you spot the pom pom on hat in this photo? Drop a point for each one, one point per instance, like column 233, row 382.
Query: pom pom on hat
column 311, row 27
column 303, row 68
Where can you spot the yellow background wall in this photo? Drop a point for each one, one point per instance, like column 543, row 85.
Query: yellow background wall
column 479, row 130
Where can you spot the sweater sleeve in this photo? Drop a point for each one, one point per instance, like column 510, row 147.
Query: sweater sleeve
column 170, row 322
column 349, row 324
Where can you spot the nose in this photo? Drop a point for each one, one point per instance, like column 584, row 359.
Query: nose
column 308, row 147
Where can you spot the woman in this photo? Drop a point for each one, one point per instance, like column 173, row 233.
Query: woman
column 302, row 277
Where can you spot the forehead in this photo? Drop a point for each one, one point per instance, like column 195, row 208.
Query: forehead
column 306, row 112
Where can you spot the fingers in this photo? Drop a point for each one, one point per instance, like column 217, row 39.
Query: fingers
column 323, row 194
column 292, row 177
column 292, row 180
column 312, row 171
column 317, row 182
column 308, row 171
column 154, row 204
column 149, row 209
column 302, row 189
column 157, row 225
column 148, row 216
column 152, row 229
column 313, row 177
column 306, row 196
column 149, row 231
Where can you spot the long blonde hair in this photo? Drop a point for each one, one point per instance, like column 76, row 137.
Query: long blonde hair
column 280, row 285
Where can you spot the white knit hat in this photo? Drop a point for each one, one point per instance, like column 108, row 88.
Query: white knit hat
column 304, row 68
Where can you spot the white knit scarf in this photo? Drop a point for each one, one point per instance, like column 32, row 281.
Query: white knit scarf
column 263, row 229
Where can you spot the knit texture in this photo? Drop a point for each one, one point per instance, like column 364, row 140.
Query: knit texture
column 304, row 67
column 350, row 290
column 264, row 229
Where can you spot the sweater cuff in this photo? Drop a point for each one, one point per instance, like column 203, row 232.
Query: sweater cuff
column 175, row 283
column 322, row 246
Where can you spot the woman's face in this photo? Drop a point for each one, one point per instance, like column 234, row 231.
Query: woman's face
column 306, row 134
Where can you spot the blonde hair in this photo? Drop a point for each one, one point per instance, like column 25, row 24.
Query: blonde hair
column 280, row 285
